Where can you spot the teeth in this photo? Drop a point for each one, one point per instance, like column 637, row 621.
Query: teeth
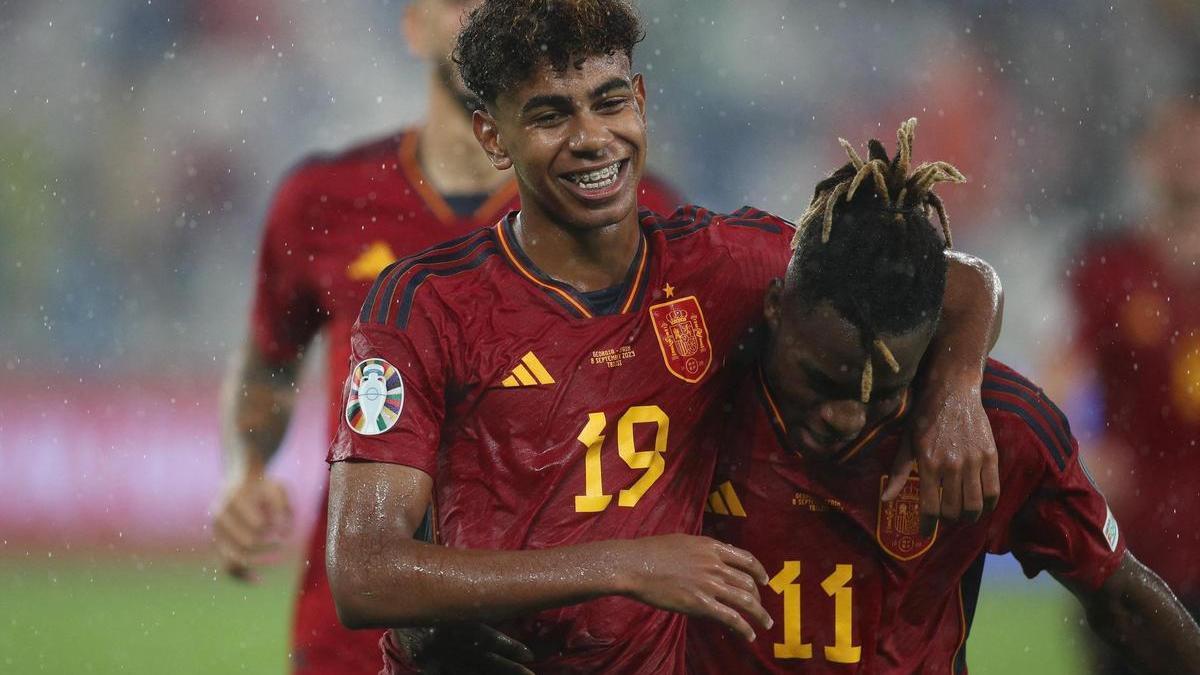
column 600, row 178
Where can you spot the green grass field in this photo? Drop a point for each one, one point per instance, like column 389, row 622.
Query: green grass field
column 162, row 614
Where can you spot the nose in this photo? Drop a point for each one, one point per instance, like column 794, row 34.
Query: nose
column 590, row 137
column 846, row 419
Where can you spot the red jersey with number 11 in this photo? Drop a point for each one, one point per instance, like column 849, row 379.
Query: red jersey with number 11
column 854, row 586
column 547, row 419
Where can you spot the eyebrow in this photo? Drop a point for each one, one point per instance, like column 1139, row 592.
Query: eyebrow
column 825, row 384
column 560, row 102
column 610, row 85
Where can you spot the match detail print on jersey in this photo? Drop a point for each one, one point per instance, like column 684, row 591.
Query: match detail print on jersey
column 683, row 338
column 376, row 397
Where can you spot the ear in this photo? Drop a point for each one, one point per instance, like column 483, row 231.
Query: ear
column 412, row 27
column 639, row 95
column 488, row 135
column 773, row 304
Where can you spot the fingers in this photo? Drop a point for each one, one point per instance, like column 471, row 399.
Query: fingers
column 490, row 640
column 931, row 495
column 990, row 477
column 278, row 508
column 235, row 563
column 745, row 561
column 902, row 468
column 743, row 582
column 252, row 522
column 724, row 614
column 746, row 605
column 972, row 492
column 952, row 489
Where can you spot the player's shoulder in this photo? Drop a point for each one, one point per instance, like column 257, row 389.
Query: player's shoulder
column 746, row 228
column 1024, row 418
column 657, row 194
column 325, row 170
column 456, row 268
column 1115, row 256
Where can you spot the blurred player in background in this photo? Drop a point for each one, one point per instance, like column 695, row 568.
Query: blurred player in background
column 1138, row 328
column 855, row 587
column 334, row 224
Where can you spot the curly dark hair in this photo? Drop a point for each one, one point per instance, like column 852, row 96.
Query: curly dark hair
column 867, row 244
column 504, row 41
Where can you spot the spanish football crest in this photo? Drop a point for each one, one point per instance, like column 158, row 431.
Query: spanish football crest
column 683, row 337
column 376, row 397
column 898, row 528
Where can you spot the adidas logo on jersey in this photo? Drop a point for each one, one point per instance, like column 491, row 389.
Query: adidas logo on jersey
column 371, row 262
column 724, row 502
column 528, row 373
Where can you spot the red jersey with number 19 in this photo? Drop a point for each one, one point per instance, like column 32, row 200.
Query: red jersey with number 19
column 854, row 586
column 548, row 417
column 334, row 224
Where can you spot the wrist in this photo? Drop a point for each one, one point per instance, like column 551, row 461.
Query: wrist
column 618, row 569
column 246, row 469
column 953, row 370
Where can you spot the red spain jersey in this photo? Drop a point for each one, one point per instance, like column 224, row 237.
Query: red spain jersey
column 334, row 224
column 854, row 586
column 1141, row 324
column 546, row 420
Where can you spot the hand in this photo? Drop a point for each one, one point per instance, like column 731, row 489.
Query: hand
column 463, row 649
column 253, row 519
column 699, row 577
column 955, row 454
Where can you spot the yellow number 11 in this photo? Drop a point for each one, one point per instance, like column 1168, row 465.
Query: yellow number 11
column 793, row 646
column 594, row 498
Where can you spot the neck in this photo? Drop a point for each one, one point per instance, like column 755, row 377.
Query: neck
column 587, row 259
column 449, row 154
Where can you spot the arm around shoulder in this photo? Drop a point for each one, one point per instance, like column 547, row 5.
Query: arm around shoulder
column 381, row 577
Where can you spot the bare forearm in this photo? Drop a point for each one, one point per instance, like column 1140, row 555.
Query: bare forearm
column 1138, row 615
column 403, row 582
column 256, row 407
column 971, row 318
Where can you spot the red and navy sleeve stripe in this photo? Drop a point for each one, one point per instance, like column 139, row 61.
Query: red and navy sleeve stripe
column 390, row 299
column 1004, row 389
column 690, row 218
column 748, row 216
column 687, row 219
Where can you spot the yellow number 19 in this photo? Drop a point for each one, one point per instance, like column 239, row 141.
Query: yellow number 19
column 594, row 498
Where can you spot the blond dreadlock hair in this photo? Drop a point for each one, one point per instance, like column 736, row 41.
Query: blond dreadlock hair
column 893, row 196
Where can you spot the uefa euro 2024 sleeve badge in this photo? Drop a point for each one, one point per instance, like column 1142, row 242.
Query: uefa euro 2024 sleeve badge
column 376, row 397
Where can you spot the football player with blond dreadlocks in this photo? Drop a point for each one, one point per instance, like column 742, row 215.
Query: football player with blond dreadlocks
column 815, row 428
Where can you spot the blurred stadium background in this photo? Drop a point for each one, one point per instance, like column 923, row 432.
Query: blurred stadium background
column 141, row 140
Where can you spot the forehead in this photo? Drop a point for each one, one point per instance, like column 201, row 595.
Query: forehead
column 824, row 334
column 578, row 79
column 827, row 341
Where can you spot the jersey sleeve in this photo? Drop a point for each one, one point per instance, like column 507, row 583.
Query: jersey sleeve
column 410, row 360
column 285, row 314
column 657, row 195
column 1064, row 525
